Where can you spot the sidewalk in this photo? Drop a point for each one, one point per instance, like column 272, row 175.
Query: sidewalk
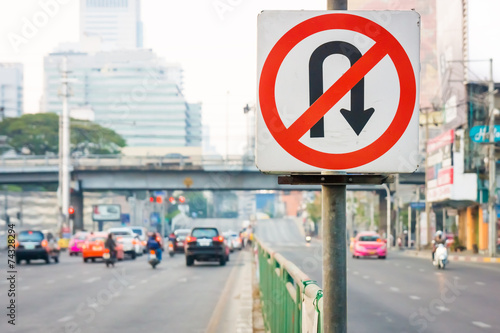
column 465, row 256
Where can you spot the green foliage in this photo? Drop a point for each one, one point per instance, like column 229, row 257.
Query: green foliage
column 197, row 203
column 314, row 209
column 38, row 134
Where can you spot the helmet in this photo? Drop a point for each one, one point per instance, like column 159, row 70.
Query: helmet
column 439, row 233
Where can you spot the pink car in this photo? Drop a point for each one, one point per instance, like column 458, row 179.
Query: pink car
column 367, row 244
column 76, row 242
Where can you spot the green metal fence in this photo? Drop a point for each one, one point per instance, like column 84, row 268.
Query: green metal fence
column 291, row 301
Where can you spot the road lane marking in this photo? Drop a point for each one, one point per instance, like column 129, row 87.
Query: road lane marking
column 64, row 319
column 231, row 281
column 422, row 270
column 131, row 287
column 69, row 276
column 481, row 324
column 355, row 272
column 144, row 281
column 25, row 288
column 366, row 277
column 408, row 267
column 97, row 278
column 479, row 283
column 394, row 289
column 50, row 281
column 183, row 280
column 443, row 308
column 396, row 264
column 378, row 282
column 415, row 298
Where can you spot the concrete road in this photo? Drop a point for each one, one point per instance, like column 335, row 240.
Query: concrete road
column 73, row 296
column 401, row 294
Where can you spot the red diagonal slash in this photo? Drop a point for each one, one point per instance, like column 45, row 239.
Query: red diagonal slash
column 331, row 97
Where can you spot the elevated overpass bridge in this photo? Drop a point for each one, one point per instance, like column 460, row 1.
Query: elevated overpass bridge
column 132, row 173
column 115, row 172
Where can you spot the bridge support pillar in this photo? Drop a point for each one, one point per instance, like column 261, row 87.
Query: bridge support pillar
column 77, row 203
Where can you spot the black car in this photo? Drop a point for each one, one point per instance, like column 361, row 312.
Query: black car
column 206, row 244
column 33, row 245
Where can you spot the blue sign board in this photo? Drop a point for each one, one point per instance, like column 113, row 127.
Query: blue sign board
column 125, row 218
column 417, row 205
column 154, row 218
column 480, row 134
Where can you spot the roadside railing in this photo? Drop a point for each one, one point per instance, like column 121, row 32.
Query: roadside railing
column 214, row 162
column 291, row 301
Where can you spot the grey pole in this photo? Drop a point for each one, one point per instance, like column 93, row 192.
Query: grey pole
column 409, row 227
column 427, row 203
column 388, row 198
column 334, row 245
column 417, row 222
column 334, row 258
column 492, row 227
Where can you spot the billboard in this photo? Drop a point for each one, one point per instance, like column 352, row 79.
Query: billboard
column 106, row 213
column 440, row 167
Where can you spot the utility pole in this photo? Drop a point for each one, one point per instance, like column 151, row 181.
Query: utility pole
column 417, row 222
column 64, row 142
column 427, row 203
column 492, row 227
column 388, row 198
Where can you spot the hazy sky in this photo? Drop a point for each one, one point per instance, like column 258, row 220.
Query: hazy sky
column 213, row 40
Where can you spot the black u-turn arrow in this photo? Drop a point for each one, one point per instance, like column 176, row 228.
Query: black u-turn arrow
column 358, row 116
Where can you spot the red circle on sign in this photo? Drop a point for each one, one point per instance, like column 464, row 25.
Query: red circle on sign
column 385, row 43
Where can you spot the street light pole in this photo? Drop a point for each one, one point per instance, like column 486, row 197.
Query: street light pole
column 64, row 143
column 492, row 227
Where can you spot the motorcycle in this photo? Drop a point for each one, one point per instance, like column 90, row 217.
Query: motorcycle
column 153, row 259
column 440, row 256
column 171, row 250
column 108, row 258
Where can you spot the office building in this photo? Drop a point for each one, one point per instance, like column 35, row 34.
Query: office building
column 116, row 22
column 130, row 91
column 11, row 90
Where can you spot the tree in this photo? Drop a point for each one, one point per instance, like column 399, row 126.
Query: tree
column 38, row 134
column 197, row 203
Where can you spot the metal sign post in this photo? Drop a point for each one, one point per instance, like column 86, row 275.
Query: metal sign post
column 334, row 258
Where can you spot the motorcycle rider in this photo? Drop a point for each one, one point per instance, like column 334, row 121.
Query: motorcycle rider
column 438, row 239
column 154, row 244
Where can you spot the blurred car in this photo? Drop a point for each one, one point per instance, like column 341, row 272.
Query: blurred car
column 234, row 241
column 179, row 239
column 142, row 232
column 206, row 244
column 76, row 242
column 34, row 244
column 368, row 244
column 129, row 240
column 93, row 248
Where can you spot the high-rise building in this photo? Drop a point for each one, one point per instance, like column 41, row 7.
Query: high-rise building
column 116, row 22
column 11, row 90
column 130, row 91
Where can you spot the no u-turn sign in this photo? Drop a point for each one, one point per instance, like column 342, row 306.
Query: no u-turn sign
column 338, row 90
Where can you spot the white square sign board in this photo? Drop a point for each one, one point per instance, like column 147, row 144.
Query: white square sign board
column 338, row 91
